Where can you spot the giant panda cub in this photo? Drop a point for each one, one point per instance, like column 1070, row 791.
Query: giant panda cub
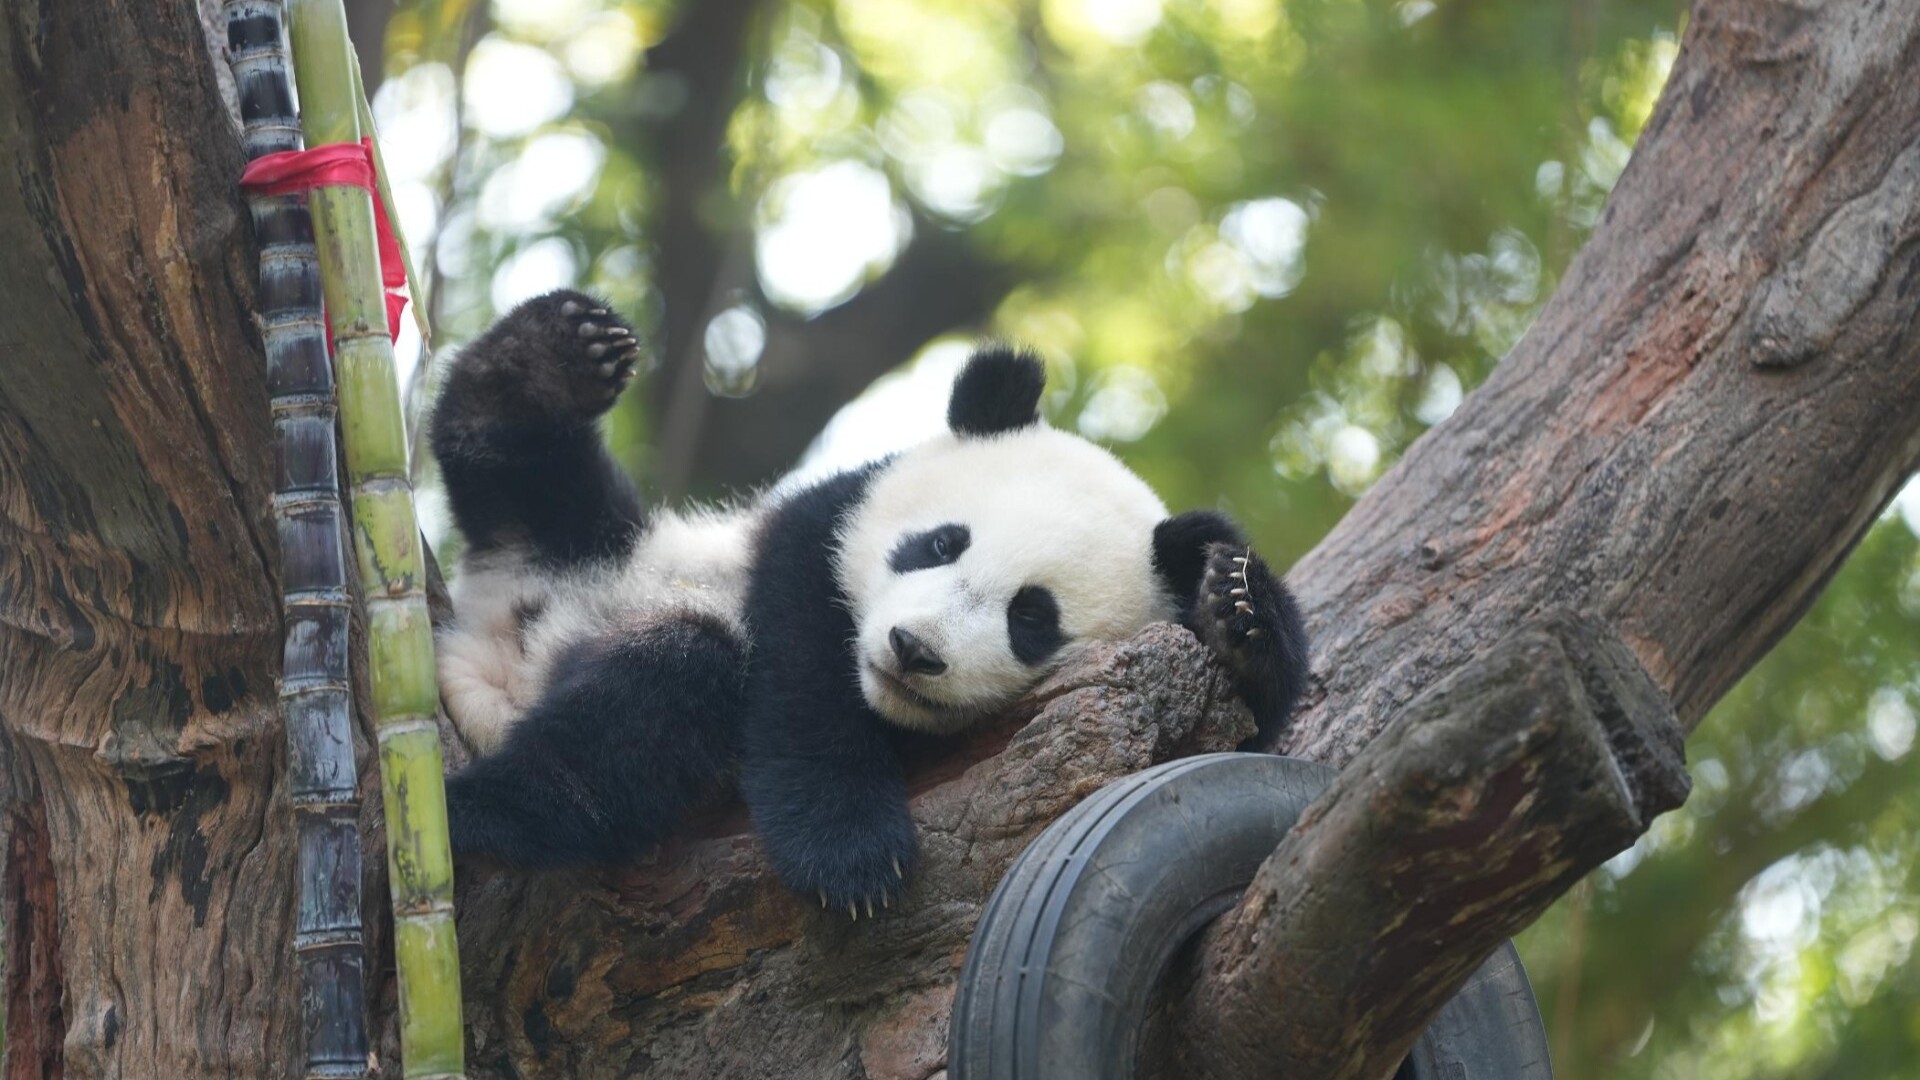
column 614, row 667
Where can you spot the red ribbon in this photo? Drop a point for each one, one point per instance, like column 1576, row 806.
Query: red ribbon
column 336, row 165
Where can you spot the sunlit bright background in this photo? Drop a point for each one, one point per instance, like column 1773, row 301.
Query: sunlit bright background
column 1262, row 245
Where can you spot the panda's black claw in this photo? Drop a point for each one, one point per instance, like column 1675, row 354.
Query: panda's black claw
column 857, row 878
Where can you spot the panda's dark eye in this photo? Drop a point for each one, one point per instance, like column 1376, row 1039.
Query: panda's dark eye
column 1033, row 625
column 925, row 550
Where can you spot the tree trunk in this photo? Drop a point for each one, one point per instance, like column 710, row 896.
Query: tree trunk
column 148, row 894
column 1703, row 422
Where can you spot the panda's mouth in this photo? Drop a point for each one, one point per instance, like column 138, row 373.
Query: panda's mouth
column 897, row 685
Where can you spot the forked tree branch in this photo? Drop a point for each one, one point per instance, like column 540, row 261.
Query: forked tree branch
column 1490, row 796
column 1721, row 397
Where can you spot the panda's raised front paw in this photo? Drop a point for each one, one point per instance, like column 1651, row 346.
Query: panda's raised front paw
column 1243, row 612
column 1240, row 608
column 570, row 353
column 852, row 879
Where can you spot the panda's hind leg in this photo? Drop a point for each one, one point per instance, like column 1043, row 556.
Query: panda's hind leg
column 631, row 733
column 515, row 432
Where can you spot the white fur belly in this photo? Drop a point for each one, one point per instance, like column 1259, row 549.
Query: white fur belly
column 512, row 621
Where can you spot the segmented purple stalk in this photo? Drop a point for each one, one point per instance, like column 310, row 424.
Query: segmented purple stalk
column 316, row 699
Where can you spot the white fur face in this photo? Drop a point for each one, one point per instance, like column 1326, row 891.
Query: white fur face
column 1040, row 510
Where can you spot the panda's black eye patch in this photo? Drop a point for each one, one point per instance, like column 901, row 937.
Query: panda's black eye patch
column 925, row 550
column 1033, row 625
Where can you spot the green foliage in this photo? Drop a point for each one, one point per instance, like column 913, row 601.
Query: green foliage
column 1263, row 244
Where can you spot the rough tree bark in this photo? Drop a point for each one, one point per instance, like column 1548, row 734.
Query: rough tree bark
column 1683, row 449
column 1721, row 396
column 147, row 896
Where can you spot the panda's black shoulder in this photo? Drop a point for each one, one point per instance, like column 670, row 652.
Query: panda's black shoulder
column 796, row 543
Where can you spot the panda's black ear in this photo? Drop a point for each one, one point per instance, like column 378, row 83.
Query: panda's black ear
column 997, row 392
column 1180, row 548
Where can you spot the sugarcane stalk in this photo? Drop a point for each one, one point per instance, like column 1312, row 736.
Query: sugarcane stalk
column 388, row 548
column 316, row 699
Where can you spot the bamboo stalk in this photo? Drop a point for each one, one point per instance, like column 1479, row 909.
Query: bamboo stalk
column 387, row 544
column 316, row 700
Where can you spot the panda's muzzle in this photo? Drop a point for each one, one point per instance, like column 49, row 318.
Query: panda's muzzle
column 916, row 657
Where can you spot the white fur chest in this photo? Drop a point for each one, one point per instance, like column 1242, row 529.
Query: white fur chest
column 513, row 620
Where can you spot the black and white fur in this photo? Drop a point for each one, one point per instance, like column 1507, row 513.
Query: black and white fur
column 615, row 667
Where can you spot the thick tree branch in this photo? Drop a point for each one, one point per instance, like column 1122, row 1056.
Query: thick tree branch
column 1706, row 418
column 1486, row 799
column 1643, row 455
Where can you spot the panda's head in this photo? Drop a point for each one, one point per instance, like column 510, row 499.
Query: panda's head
column 982, row 559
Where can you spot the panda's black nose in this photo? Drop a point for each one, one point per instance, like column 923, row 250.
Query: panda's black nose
column 914, row 654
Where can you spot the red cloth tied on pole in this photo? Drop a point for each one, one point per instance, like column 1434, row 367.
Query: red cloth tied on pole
column 337, row 165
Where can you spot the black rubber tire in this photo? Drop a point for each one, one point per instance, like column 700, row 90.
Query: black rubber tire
column 1067, row 953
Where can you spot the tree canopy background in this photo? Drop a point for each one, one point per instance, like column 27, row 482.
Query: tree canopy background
column 1262, row 245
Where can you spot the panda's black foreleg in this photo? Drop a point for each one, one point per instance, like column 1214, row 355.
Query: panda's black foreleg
column 1239, row 608
column 820, row 772
column 829, row 801
column 629, row 735
column 515, row 430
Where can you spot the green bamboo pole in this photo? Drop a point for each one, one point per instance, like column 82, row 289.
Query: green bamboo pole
column 316, row 698
column 392, row 575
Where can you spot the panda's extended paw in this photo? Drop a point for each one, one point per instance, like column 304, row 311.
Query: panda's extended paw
column 1239, row 600
column 1243, row 612
column 568, row 354
column 852, row 879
